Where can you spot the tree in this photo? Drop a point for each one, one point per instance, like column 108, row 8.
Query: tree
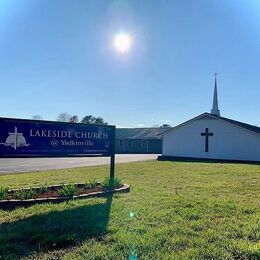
column 100, row 121
column 74, row 119
column 88, row 120
column 91, row 120
column 37, row 117
column 64, row 117
column 165, row 125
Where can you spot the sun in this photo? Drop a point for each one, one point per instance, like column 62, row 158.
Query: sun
column 122, row 43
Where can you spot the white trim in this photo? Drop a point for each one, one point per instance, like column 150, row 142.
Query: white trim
column 214, row 117
column 185, row 123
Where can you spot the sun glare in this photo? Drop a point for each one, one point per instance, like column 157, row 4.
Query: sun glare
column 122, row 42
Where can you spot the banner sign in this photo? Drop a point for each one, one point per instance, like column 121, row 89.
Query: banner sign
column 19, row 137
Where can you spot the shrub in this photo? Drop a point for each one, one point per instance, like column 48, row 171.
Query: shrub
column 25, row 194
column 117, row 182
column 3, row 192
column 92, row 184
column 108, row 185
column 68, row 190
column 43, row 188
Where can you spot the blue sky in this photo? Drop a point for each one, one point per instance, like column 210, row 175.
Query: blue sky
column 57, row 56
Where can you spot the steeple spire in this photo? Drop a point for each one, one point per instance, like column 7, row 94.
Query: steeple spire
column 215, row 110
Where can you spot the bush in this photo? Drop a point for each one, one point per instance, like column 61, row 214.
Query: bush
column 3, row 192
column 43, row 188
column 68, row 190
column 108, row 185
column 25, row 194
column 92, row 184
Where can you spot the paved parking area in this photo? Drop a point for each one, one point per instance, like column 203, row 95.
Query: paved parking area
column 14, row 165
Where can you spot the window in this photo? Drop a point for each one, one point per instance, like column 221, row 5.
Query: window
column 121, row 143
column 143, row 143
column 129, row 143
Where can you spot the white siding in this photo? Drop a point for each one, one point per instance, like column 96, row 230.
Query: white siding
column 229, row 142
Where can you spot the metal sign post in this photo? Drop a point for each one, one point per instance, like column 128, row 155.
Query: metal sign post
column 112, row 158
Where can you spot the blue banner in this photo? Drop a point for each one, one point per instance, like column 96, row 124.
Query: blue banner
column 33, row 138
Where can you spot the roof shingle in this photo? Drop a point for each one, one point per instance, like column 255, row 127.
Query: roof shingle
column 140, row 133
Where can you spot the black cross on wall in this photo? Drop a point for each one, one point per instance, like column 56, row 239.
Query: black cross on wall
column 206, row 134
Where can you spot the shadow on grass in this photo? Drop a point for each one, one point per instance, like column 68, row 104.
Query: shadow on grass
column 55, row 230
column 203, row 160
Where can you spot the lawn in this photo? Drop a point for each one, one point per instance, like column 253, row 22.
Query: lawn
column 175, row 210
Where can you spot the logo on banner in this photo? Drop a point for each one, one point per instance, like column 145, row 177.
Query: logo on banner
column 54, row 143
column 15, row 140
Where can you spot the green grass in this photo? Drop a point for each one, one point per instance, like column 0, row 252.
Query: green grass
column 174, row 211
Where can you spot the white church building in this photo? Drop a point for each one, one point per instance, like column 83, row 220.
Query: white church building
column 210, row 136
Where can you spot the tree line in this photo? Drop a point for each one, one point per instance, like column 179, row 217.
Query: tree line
column 89, row 119
column 65, row 117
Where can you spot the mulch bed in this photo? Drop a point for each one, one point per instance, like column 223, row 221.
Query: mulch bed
column 53, row 195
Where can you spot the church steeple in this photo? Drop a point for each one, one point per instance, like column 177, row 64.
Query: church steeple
column 215, row 111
